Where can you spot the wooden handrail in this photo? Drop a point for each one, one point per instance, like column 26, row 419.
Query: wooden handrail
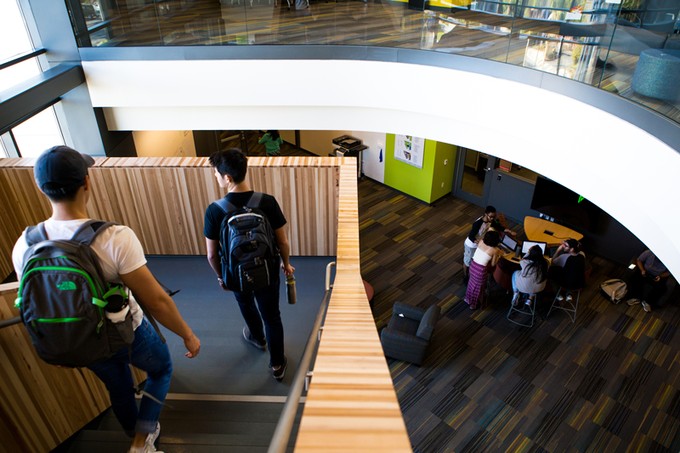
column 351, row 404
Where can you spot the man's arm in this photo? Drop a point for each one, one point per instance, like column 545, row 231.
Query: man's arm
column 213, row 248
column 161, row 306
column 284, row 249
column 472, row 235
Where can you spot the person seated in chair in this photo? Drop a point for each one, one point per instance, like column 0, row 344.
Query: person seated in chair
column 568, row 267
column 648, row 282
column 532, row 276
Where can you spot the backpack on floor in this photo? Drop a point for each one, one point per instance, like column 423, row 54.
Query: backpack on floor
column 248, row 248
column 62, row 295
column 614, row 289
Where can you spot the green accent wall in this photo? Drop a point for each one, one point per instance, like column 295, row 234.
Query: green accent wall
column 429, row 183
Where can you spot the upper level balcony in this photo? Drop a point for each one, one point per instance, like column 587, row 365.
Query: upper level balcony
column 631, row 49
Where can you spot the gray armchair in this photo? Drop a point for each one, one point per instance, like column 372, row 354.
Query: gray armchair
column 409, row 331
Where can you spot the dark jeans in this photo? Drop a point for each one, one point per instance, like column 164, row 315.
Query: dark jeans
column 150, row 354
column 644, row 287
column 267, row 312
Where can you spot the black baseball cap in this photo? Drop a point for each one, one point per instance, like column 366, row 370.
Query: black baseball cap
column 61, row 167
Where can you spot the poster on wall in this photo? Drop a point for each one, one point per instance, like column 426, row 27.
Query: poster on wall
column 409, row 149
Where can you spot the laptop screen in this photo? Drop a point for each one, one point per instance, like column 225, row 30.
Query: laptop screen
column 509, row 242
column 526, row 245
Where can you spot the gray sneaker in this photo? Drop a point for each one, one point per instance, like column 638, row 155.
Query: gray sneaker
column 280, row 372
column 646, row 307
column 250, row 339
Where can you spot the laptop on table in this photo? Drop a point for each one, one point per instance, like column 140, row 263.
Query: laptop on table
column 526, row 245
column 508, row 244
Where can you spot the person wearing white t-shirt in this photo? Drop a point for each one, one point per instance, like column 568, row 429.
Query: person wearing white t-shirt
column 61, row 173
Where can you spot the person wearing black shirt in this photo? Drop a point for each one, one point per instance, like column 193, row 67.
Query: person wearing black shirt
column 488, row 221
column 230, row 168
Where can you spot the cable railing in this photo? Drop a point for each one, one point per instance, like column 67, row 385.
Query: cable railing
column 304, row 373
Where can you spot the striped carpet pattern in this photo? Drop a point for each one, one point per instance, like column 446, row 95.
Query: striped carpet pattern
column 608, row 382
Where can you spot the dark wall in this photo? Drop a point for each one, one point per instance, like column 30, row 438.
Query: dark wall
column 206, row 142
column 512, row 196
column 116, row 143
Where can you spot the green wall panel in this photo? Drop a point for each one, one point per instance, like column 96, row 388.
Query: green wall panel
column 429, row 183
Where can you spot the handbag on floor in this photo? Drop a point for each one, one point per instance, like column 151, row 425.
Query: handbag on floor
column 614, row 289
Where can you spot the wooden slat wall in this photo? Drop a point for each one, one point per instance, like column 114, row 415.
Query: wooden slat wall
column 41, row 405
column 351, row 404
column 163, row 200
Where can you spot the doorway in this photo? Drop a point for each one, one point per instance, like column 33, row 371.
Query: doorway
column 474, row 171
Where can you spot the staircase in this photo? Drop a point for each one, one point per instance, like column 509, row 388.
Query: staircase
column 191, row 426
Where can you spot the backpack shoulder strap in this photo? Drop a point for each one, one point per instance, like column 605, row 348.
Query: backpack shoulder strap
column 35, row 234
column 89, row 230
column 255, row 200
column 225, row 205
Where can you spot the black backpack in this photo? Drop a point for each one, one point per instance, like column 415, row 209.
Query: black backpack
column 248, row 249
column 62, row 296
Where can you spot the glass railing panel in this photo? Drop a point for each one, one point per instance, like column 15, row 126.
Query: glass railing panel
column 597, row 42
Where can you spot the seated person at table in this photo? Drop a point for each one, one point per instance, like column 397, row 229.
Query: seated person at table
column 489, row 221
column 532, row 276
column 648, row 282
column 486, row 255
column 568, row 267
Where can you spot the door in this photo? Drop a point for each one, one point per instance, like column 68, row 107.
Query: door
column 474, row 173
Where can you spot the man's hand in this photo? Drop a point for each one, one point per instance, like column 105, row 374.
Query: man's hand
column 193, row 345
column 222, row 284
column 288, row 270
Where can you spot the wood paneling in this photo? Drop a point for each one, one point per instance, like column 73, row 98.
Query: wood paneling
column 163, row 200
column 351, row 404
column 42, row 405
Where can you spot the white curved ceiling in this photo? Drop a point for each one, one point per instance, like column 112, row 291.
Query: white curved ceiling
column 623, row 169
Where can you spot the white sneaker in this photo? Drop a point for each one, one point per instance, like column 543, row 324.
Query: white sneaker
column 560, row 298
column 144, row 449
column 569, row 298
column 149, row 446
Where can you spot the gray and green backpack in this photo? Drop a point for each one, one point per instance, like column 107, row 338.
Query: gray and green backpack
column 62, row 298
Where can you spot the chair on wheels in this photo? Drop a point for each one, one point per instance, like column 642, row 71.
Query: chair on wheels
column 523, row 311
column 566, row 305
column 409, row 332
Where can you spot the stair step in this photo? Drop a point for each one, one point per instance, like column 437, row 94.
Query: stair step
column 116, row 442
column 191, row 426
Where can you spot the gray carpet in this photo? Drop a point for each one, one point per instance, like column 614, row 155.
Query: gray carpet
column 227, row 365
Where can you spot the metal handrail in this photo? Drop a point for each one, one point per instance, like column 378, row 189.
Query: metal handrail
column 9, row 322
column 281, row 435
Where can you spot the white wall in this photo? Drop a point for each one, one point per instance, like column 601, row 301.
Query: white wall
column 621, row 168
column 164, row 143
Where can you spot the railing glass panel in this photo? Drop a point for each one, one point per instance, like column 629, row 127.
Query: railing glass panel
column 597, row 42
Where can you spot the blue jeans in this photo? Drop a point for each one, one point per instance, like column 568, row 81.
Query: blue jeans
column 267, row 311
column 514, row 281
column 148, row 353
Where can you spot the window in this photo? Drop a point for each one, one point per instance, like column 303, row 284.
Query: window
column 42, row 130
